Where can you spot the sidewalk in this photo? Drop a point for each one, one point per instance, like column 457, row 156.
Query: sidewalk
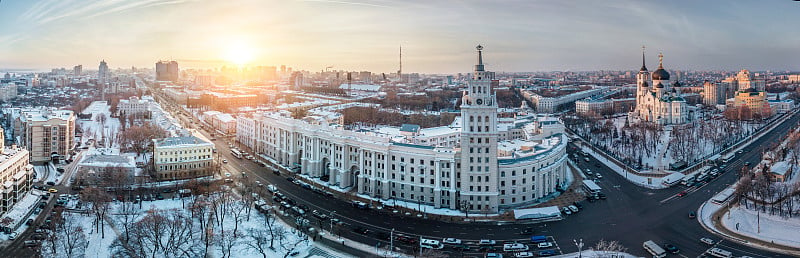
column 710, row 216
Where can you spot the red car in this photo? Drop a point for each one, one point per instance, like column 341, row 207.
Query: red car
column 682, row 193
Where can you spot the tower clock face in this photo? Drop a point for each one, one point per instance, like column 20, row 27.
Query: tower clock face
column 479, row 101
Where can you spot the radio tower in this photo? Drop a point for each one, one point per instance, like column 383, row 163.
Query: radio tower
column 400, row 71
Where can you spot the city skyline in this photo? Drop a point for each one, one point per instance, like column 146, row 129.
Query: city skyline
column 366, row 35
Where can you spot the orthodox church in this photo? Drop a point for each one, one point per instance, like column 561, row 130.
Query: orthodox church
column 657, row 99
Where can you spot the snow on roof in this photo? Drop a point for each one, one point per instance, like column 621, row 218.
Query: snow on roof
column 409, row 128
column 108, row 160
column 537, row 213
column 45, row 114
column 226, row 118
column 780, row 168
column 362, row 87
column 178, row 141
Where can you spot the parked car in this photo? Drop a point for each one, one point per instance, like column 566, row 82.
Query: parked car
column 451, row 241
column 52, row 190
column 566, row 211
column 601, row 196
column 523, row 255
column 598, row 176
column 12, row 236
column 549, row 252
column 578, row 204
column 224, row 161
column 573, row 208
column 544, row 245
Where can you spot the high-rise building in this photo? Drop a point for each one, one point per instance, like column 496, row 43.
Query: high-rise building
column 297, row 80
column 714, row 93
column 17, row 177
column 102, row 72
column 742, row 81
column 479, row 140
column 167, row 71
column 47, row 133
column 77, row 70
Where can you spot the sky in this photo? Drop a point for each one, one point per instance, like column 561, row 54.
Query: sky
column 437, row 36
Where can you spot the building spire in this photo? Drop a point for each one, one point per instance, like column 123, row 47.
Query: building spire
column 660, row 60
column 479, row 66
column 644, row 68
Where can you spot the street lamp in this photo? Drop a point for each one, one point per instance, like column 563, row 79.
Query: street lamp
column 391, row 241
column 579, row 244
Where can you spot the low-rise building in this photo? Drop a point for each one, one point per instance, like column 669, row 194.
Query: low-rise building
column 182, row 158
column 96, row 164
column 134, row 107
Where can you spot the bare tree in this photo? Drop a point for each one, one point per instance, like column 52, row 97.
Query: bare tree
column 608, row 248
column 67, row 238
column 288, row 243
column 99, row 201
column 227, row 240
column 260, row 240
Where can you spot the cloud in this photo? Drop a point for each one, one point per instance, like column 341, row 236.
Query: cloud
column 346, row 3
column 48, row 11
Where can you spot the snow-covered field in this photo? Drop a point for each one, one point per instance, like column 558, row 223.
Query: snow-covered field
column 101, row 127
column 763, row 226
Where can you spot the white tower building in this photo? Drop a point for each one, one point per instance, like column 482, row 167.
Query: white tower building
column 479, row 141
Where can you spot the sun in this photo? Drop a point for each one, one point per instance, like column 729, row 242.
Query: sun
column 239, row 53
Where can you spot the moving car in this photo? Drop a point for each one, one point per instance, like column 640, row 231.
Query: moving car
column 523, row 254
column 487, row 242
column 682, row 194
column 224, row 161
column 692, row 215
column 707, row 241
column 544, row 245
column 671, row 248
column 52, row 190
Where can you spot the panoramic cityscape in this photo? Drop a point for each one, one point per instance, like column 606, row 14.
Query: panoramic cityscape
column 377, row 128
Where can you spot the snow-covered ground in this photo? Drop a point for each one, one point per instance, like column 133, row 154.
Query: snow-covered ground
column 776, row 229
column 103, row 247
column 101, row 127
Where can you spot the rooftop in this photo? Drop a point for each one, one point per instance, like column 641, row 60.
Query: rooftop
column 179, row 141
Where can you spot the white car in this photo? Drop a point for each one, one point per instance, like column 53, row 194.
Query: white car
column 523, row 255
column 452, row 241
column 227, row 174
column 707, row 241
column 487, row 242
column 224, row 161
column 566, row 211
column 573, row 208
column 544, row 245
column 12, row 236
column 598, row 176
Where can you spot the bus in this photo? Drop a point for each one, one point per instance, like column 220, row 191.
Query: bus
column 590, row 187
column 728, row 158
column 652, row 248
column 236, row 153
column 723, row 196
column 688, row 179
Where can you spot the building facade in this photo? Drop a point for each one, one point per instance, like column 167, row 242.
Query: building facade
column 475, row 171
column 182, row 158
column 48, row 134
column 16, row 175
column 102, row 72
column 134, row 107
column 714, row 93
column 167, row 71
column 657, row 99
column 755, row 101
